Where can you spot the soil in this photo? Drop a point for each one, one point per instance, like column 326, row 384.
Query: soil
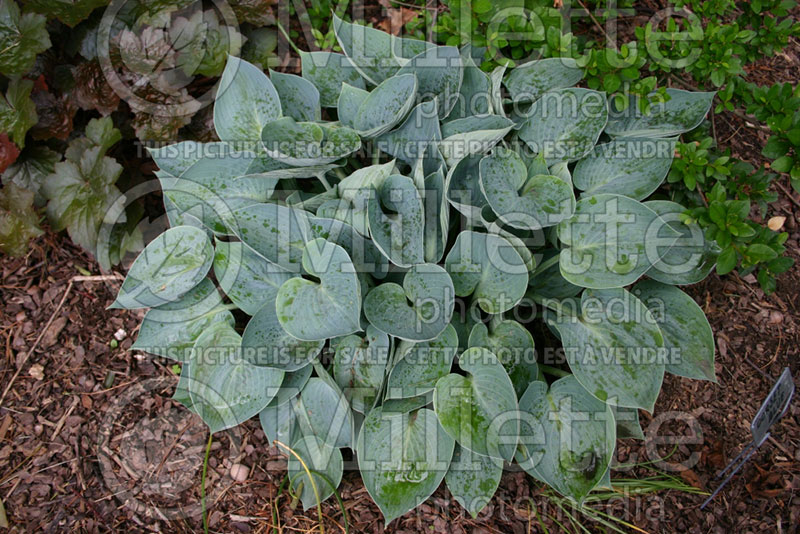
column 91, row 442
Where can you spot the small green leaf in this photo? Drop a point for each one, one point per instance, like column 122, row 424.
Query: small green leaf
column 17, row 110
column 171, row 265
column 21, row 38
column 18, row 220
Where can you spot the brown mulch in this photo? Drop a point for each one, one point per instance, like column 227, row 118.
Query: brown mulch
column 91, row 442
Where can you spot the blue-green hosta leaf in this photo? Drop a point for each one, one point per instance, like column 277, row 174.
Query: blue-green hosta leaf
column 479, row 410
column 472, row 135
column 246, row 102
column 279, row 422
column 359, row 366
column 409, row 141
column 437, row 216
column 527, row 203
column 322, row 411
column 226, row 390
column 429, row 290
column 611, row 241
column 529, row 81
column 211, row 189
column 246, row 277
column 350, row 99
column 267, row 344
column 687, row 335
column 691, row 258
column 513, row 345
column 307, row 143
column 439, row 71
column 417, row 366
column 521, row 240
column 397, row 220
column 627, row 422
column 464, row 319
column 365, row 255
column 629, row 166
column 489, row 268
column 472, row 479
column 474, row 94
column 265, row 167
column 328, row 71
column 276, row 232
column 351, row 206
column 170, row 330
column 683, row 112
column 565, row 124
column 299, row 97
column 569, row 437
column 320, row 457
column 21, row 38
column 403, row 458
column 171, row 265
column 614, row 347
column 293, row 383
column 549, row 282
column 384, row 107
column 496, row 90
column 375, row 54
column 463, row 189
column 317, row 311
column 177, row 158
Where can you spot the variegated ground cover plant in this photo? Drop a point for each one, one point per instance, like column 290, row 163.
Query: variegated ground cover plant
column 372, row 281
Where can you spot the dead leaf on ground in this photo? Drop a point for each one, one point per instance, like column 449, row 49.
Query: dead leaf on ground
column 51, row 334
column 398, row 17
column 691, row 478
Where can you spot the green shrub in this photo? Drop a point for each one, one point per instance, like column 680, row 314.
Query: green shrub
column 399, row 278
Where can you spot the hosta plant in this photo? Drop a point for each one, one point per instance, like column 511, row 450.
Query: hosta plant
column 375, row 252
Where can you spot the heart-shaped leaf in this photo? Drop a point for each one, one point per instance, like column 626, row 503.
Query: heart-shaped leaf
column 384, row 107
column 614, row 347
column 319, row 457
column 569, row 437
column 359, row 366
column 307, row 143
column 322, row 411
column 328, row 71
column 565, row 124
column 479, row 410
column 439, row 71
column 275, row 231
column 513, row 345
column 403, row 458
column 410, row 139
column 691, row 258
column 417, row 366
column 246, row 102
column 472, row 135
column 633, row 167
column 397, row 220
column 472, row 479
column 611, row 241
column 487, row 267
column 246, row 277
column 171, row 329
column 267, row 344
column 429, row 290
column 226, row 390
column 171, row 265
column 463, row 190
column 687, row 335
column 299, row 97
column 474, row 95
column 314, row 311
column 528, row 203
column 529, row 81
column 683, row 112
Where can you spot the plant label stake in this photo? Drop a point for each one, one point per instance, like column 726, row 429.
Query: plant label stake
column 773, row 408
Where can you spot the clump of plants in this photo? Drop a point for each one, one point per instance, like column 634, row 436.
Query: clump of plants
column 374, row 281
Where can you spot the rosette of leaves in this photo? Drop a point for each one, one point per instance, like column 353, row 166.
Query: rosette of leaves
column 406, row 270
